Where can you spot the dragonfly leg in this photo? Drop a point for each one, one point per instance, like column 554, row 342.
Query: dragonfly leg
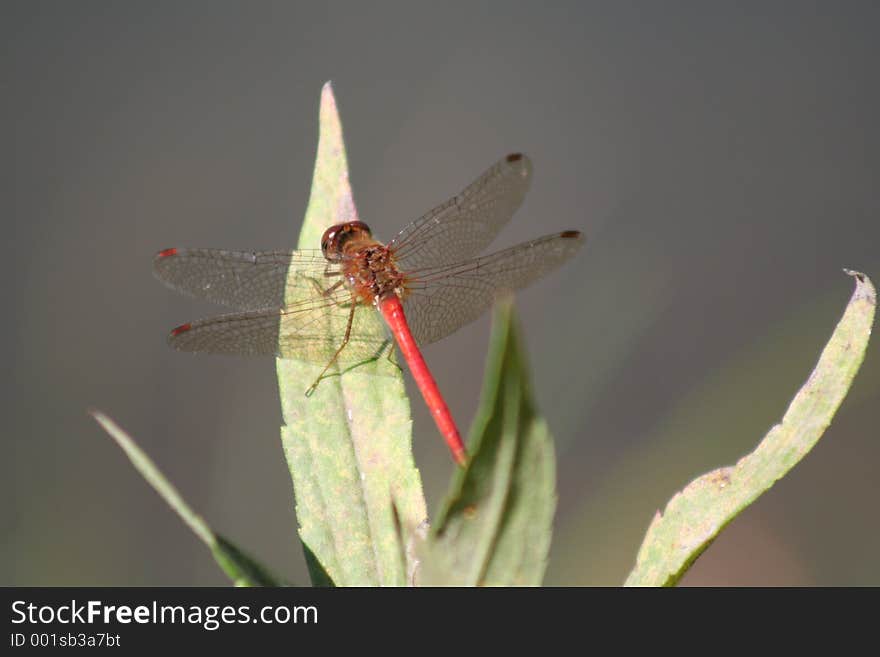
column 392, row 357
column 325, row 292
column 314, row 386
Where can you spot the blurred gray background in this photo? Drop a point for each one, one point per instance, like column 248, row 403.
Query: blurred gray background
column 721, row 157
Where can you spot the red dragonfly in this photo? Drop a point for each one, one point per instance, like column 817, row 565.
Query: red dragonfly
column 426, row 283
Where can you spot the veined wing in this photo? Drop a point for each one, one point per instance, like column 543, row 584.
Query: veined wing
column 464, row 226
column 310, row 330
column 443, row 299
column 246, row 280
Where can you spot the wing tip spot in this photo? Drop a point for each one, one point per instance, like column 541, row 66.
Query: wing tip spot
column 177, row 330
column 164, row 253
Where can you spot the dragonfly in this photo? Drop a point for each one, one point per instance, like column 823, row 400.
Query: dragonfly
column 426, row 283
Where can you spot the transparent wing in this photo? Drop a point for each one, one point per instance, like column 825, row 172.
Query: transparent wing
column 246, row 280
column 443, row 299
column 311, row 330
column 465, row 225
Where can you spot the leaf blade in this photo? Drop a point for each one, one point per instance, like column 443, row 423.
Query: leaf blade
column 695, row 515
column 241, row 568
column 495, row 525
column 349, row 445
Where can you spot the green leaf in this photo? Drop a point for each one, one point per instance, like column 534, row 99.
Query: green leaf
column 495, row 525
column 694, row 517
column 349, row 445
column 241, row 569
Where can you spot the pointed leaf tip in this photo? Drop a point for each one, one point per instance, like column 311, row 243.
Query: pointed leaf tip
column 349, row 445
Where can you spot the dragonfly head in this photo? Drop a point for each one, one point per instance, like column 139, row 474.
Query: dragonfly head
column 335, row 238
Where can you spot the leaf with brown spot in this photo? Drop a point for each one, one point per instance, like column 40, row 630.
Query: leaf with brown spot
column 694, row 516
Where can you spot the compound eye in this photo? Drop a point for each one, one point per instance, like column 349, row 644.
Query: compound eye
column 358, row 228
column 335, row 238
column 329, row 243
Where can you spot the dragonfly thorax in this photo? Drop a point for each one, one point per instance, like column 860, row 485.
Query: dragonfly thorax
column 371, row 273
